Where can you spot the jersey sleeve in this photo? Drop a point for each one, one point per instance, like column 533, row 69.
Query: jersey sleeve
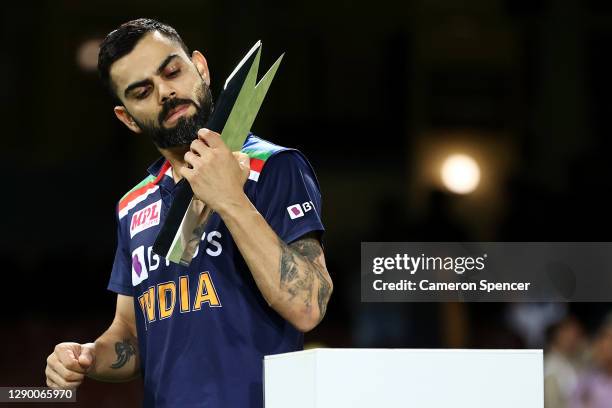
column 288, row 196
column 121, row 274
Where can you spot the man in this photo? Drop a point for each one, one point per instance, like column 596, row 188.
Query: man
column 197, row 335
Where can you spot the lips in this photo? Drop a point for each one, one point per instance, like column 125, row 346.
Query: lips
column 176, row 112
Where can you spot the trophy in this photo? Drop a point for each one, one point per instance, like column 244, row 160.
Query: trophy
column 235, row 112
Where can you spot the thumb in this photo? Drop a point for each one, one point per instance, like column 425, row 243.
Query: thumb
column 243, row 159
column 87, row 356
column 245, row 164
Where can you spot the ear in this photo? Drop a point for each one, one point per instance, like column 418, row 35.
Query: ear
column 124, row 116
column 201, row 65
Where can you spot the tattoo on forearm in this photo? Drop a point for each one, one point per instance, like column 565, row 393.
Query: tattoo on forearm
column 295, row 281
column 299, row 282
column 288, row 267
column 125, row 350
column 308, row 248
column 324, row 293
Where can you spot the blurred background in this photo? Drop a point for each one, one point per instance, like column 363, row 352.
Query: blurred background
column 426, row 120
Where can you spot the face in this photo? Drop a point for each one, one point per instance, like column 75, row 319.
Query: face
column 165, row 94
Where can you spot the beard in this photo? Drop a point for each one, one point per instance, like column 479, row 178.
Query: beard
column 186, row 128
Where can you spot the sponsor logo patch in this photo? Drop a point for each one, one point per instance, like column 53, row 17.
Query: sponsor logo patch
column 139, row 267
column 298, row 210
column 146, row 218
column 295, row 211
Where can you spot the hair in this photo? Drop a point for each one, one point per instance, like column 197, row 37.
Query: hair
column 122, row 41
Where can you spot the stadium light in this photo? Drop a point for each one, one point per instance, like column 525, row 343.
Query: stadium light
column 460, row 173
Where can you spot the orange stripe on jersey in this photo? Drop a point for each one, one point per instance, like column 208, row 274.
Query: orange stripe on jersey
column 134, row 194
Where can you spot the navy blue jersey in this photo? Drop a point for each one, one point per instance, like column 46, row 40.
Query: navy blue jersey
column 203, row 330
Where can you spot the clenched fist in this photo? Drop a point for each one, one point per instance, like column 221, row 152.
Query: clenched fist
column 69, row 363
column 216, row 175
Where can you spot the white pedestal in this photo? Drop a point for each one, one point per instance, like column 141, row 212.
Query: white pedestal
column 394, row 378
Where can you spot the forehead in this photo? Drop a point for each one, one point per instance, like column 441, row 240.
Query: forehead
column 144, row 59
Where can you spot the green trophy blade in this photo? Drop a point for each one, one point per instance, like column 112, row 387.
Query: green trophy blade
column 247, row 105
column 261, row 90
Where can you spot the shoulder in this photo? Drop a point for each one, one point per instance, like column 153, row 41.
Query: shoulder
column 258, row 148
column 136, row 195
column 268, row 159
column 259, row 152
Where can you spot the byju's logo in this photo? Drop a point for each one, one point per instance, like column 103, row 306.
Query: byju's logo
column 139, row 267
column 298, row 210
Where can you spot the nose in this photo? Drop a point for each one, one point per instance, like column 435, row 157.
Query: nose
column 165, row 93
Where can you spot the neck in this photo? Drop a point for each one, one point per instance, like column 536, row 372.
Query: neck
column 175, row 155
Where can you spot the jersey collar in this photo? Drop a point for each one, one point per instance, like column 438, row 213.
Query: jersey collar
column 160, row 169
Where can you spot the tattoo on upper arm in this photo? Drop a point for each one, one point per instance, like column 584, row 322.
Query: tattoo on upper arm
column 125, row 350
column 299, row 282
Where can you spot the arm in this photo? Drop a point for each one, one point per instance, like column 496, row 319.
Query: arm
column 117, row 356
column 292, row 278
column 113, row 357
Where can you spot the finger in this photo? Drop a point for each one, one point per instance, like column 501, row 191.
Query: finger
column 198, row 147
column 58, row 380
column 53, row 376
column 67, row 358
column 65, row 373
column 63, row 382
column 243, row 159
column 86, row 358
column 192, row 159
column 212, row 139
column 186, row 172
column 245, row 165
column 244, row 162
column 51, row 384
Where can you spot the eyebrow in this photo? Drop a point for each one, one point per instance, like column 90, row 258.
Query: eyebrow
column 143, row 82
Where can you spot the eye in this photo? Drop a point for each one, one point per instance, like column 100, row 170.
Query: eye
column 142, row 94
column 173, row 73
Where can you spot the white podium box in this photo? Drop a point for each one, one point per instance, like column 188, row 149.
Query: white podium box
column 394, row 378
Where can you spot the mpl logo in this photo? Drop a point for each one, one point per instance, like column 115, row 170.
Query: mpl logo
column 298, row 210
column 145, row 218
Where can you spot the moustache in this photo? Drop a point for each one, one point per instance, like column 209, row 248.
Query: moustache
column 171, row 104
